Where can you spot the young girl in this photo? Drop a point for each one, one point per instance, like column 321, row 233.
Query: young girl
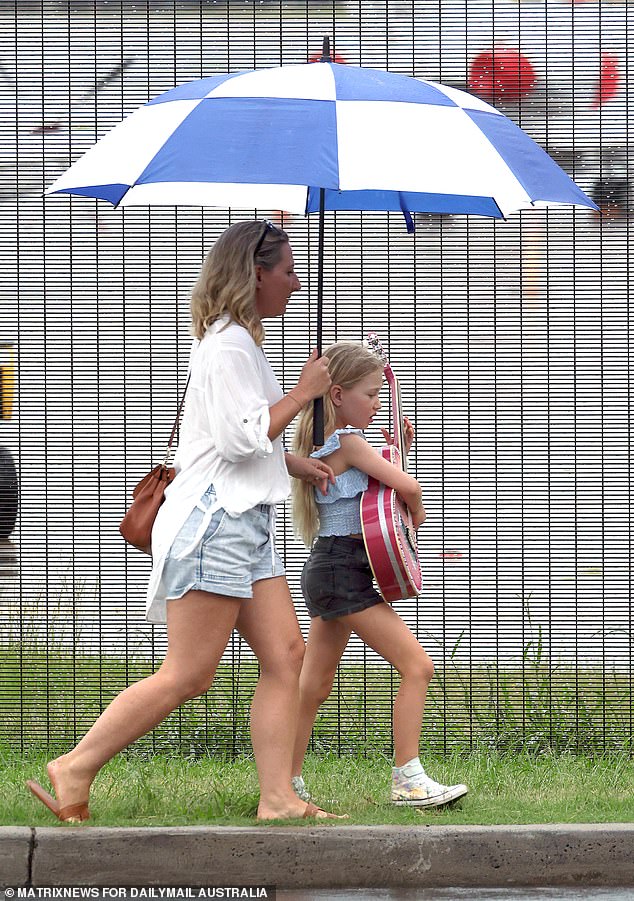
column 337, row 579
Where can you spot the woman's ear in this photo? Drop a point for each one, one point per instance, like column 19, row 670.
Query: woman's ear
column 336, row 395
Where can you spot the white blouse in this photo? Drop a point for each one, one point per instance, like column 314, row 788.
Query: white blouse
column 223, row 441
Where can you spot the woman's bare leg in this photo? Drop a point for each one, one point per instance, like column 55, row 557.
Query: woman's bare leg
column 325, row 645
column 382, row 629
column 269, row 625
column 198, row 626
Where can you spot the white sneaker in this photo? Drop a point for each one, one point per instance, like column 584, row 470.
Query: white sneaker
column 299, row 787
column 419, row 790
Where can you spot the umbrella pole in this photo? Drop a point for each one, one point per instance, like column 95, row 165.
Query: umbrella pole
column 318, row 412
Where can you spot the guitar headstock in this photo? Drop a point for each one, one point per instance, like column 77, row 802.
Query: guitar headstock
column 395, row 393
column 376, row 347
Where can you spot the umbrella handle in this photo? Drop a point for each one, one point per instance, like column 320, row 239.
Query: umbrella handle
column 318, row 410
column 318, row 422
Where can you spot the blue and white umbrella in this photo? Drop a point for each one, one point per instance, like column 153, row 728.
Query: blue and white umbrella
column 321, row 136
column 272, row 138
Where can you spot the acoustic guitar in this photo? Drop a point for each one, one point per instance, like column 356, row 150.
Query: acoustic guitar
column 388, row 531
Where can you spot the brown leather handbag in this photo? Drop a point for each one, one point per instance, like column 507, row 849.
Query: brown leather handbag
column 149, row 494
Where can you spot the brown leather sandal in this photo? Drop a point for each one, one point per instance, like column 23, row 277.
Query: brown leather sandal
column 313, row 811
column 72, row 813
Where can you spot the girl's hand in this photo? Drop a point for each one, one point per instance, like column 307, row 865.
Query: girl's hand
column 314, row 380
column 417, row 510
column 408, row 430
column 419, row 516
column 315, row 472
column 408, row 433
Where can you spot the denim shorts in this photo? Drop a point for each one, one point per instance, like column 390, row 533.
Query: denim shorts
column 337, row 578
column 233, row 553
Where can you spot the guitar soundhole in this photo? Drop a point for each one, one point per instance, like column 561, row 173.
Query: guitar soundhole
column 408, row 536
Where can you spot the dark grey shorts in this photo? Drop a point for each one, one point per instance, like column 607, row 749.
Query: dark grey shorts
column 337, row 578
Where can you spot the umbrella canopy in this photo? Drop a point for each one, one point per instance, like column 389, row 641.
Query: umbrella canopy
column 317, row 136
column 272, row 138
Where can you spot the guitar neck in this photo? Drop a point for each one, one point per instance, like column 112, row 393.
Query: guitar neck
column 397, row 415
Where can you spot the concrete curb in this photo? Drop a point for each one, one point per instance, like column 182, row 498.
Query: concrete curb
column 319, row 857
column 15, row 854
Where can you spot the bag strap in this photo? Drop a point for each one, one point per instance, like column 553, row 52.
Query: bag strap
column 176, row 421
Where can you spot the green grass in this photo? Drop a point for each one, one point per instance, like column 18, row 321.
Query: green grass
column 52, row 697
column 50, row 694
column 536, row 742
column 139, row 790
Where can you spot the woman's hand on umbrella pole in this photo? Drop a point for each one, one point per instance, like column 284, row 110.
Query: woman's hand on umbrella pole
column 314, row 380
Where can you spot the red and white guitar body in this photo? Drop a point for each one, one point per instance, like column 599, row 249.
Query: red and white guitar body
column 388, row 532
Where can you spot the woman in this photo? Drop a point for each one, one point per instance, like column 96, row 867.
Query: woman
column 214, row 562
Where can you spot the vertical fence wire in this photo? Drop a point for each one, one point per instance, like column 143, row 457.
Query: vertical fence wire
column 511, row 340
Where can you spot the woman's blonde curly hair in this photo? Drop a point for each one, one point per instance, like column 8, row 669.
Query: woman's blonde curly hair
column 350, row 362
column 226, row 283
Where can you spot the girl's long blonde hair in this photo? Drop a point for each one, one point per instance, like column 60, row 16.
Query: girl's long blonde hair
column 349, row 363
column 227, row 279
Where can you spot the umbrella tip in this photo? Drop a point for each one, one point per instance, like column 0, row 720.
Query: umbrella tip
column 325, row 51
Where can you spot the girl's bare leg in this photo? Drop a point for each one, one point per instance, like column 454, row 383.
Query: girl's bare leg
column 325, row 645
column 382, row 629
column 198, row 626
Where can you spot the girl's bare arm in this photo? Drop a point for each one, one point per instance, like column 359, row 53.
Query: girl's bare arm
column 357, row 452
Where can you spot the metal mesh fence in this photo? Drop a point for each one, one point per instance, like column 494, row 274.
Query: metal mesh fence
column 511, row 340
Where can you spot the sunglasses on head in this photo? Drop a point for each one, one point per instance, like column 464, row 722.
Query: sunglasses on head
column 268, row 227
